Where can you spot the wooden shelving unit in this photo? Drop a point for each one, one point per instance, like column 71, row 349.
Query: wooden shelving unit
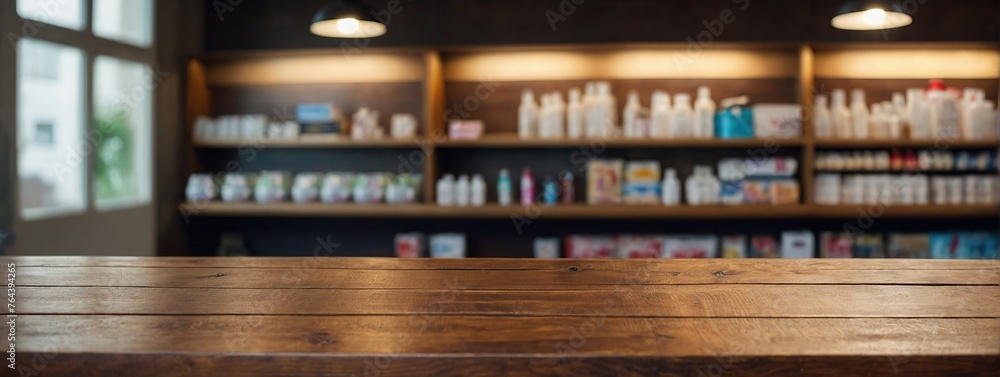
column 485, row 83
column 939, row 144
column 577, row 211
column 311, row 142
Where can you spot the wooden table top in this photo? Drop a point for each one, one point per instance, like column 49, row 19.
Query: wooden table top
column 119, row 316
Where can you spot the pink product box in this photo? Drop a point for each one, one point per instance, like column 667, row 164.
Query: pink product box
column 410, row 245
column 590, row 246
column 465, row 129
column 630, row 246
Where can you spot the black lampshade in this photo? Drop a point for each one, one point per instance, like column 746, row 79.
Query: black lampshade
column 871, row 15
column 346, row 19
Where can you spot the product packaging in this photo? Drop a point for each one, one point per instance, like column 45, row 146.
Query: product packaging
column 913, row 245
column 835, row 245
column 631, row 246
column 546, row 247
column 779, row 121
column 604, row 181
column 690, row 247
column 410, row 245
column 448, row 245
column 734, row 246
column 585, row 246
column 869, row 246
column 797, row 244
column 763, row 246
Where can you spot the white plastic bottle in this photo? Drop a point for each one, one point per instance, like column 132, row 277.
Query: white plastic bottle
column 704, row 115
column 899, row 108
column 682, row 117
column 527, row 115
column 711, row 186
column 609, row 112
column 841, row 116
column 822, row 119
column 593, row 110
column 692, row 188
column 574, row 115
column 671, row 189
column 982, row 120
column 660, row 114
column 860, row 117
column 446, row 190
column 945, row 112
column 462, row 191
column 630, row 113
column 919, row 114
column 879, row 122
column 505, row 187
column 558, row 115
column 478, row 190
column 544, row 129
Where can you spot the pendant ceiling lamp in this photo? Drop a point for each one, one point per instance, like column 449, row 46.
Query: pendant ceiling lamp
column 346, row 19
column 871, row 15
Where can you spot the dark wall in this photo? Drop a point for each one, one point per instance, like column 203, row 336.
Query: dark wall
column 261, row 24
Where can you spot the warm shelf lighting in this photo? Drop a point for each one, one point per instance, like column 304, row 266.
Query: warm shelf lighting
column 346, row 19
column 871, row 15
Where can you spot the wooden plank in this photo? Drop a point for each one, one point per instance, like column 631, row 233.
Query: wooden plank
column 320, row 141
column 312, row 278
column 437, row 345
column 629, row 301
column 666, row 266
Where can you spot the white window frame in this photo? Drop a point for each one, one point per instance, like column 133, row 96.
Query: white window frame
column 92, row 46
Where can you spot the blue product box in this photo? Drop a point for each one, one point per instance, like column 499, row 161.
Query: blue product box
column 641, row 193
column 945, row 245
column 734, row 123
column 318, row 118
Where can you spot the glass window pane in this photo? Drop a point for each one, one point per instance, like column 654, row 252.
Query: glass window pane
column 51, row 146
column 129, row 21
column 65, row 13
column 122, row 107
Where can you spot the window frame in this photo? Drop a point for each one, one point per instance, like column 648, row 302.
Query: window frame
column 92, row 46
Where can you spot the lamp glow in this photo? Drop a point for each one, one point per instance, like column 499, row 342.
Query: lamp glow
column 348, row 25
column 871, row 15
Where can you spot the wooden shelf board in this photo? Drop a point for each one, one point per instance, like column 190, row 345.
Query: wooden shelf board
column 576, row 211
column 936, row 144
column 311, row 142
column 504, row 140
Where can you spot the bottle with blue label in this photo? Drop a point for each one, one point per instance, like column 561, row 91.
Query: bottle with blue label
column 550, row 191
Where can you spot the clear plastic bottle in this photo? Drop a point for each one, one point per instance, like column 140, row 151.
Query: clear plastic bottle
column 703, row 126
column 822, row 119
column 682, row 117
column 558, row 115
column 660, row 114
column 609, row 112
column 918, row 113
column 944, row 111
column 527, row 115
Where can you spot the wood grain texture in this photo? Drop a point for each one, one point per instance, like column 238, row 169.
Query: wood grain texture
column 115, row 316
column 957, row 266
column 629, row 301
column 310, row 277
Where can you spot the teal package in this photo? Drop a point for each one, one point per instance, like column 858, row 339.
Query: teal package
column 735, row 122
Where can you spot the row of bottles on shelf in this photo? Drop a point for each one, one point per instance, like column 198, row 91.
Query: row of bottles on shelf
column 613, row 181
column 790, row 244
column 271, row 186
column 311, row 119
column 906, row 160
column 935, row 113
column 595, row 115
column 907, row 189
